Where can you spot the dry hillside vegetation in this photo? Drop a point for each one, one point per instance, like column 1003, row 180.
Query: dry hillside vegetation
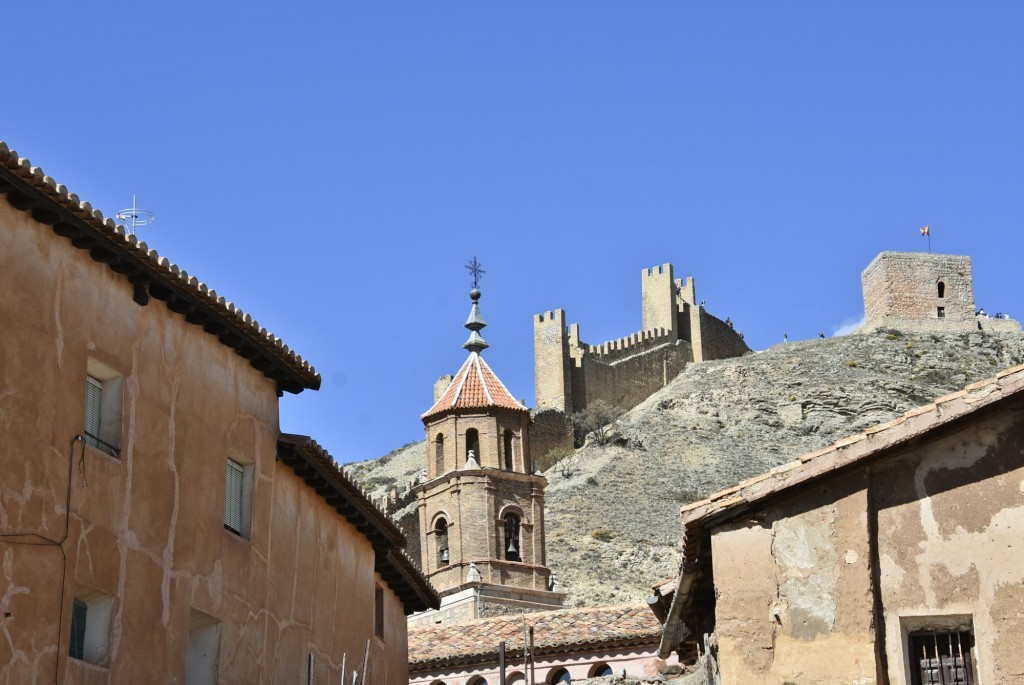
column 613, row 523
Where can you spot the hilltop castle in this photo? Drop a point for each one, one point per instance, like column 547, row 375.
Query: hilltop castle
column 571, row 374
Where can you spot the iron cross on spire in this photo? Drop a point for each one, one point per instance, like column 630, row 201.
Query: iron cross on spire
column 476, row 271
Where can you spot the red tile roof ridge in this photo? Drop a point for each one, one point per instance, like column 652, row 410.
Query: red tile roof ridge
column 475, row 386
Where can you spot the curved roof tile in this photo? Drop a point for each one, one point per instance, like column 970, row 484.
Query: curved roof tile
column 475, row 386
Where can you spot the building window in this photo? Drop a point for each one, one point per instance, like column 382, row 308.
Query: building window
column 600, row 670
column 103, row 393
column 508, row 450
column 439, row 455
column 479, row 680
column 441, row 542
column 942, row 312
column 378, row 612
column 942, row 289
column 941, row 657
column 238, row 497
column 561, row 677
column 473, row 443
column 203, row 649
column 90, row 627
column 512, row 548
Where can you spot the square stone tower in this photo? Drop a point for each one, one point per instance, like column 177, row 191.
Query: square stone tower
column 919, row 290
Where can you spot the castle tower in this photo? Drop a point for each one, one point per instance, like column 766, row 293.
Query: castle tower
column 919, row 290
column 481, row 509
column 658, row 294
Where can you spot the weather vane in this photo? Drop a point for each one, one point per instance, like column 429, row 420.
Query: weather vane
column 476, row 270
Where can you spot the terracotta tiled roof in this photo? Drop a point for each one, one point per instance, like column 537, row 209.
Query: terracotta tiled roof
column 475, row 386
column 29, row 189
column 873, row 443
column 319, row 469
column 565, row 630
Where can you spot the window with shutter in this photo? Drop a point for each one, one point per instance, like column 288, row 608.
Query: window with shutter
column 89, row 638
column 233, row 493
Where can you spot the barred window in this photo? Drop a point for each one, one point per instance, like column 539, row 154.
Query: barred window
column 941, row 657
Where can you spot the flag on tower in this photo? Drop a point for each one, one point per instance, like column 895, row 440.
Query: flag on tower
column 925, row 231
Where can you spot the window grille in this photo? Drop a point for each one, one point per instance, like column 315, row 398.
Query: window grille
column 93, row 410
column 941, row 658
column 233, row 496
column 78, row 616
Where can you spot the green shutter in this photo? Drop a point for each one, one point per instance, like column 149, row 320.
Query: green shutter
column 233, row 496
column 93, row 409
column 78, row 615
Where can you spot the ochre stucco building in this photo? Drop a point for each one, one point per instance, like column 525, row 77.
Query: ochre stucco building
column 155, row 524
column 894, row 556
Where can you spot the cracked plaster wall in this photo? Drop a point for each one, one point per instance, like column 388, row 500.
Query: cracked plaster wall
column 794, row 601
column 951, row 542
column 147, row 529
column 795, row 589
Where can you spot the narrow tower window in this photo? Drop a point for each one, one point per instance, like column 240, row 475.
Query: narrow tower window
column 508, row 450
column 512, row 548
column 439, row 455
column 473, row 443
column 441, row 542
column 942, row 289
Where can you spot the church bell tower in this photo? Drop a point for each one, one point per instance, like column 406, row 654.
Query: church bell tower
column 481, row 507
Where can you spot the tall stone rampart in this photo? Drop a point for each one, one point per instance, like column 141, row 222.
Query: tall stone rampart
column 626, row 382
column 570, row 374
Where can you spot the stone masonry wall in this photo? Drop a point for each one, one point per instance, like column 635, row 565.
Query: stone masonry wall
column 718, row 339
column 904, row 287
column 628, row 382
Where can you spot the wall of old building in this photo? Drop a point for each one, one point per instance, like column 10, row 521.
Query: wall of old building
column 950, row 526
column 146, row 532
column 794, row 601
column 797, row 582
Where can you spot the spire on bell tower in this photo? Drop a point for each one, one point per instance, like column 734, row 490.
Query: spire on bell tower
column 475, row 323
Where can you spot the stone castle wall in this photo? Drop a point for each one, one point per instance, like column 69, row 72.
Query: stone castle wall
column 571, row 375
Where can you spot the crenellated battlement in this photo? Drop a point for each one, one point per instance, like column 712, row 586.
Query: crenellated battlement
column 675, row 330
column 636, row 343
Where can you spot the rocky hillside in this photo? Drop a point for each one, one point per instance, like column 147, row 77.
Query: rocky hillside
column 612, row 520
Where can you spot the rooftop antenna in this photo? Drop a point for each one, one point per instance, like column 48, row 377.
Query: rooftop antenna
column 135, row 217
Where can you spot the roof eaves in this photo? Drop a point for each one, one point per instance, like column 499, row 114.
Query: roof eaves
column 316, row 466
column 28, row 189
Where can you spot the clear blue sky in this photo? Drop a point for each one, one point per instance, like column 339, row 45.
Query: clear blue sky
column 331, row 167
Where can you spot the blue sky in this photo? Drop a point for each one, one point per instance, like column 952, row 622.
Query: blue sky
column 330, row 167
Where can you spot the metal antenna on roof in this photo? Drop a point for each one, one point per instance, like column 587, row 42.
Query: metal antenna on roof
column 135, row 217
